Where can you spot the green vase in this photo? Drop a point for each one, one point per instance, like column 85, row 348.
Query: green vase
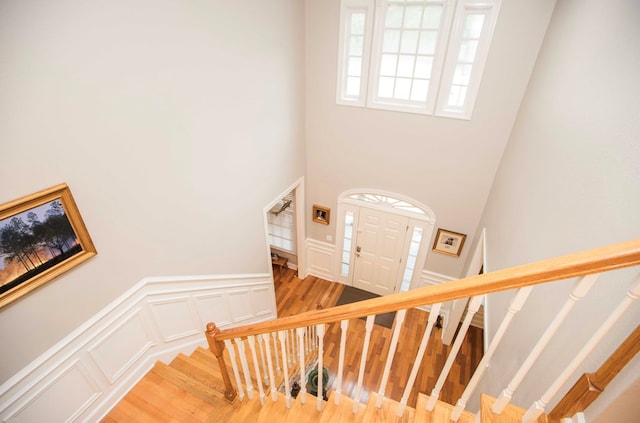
column 312, row 381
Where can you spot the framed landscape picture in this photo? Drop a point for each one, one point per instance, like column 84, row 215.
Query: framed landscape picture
column 42, row 236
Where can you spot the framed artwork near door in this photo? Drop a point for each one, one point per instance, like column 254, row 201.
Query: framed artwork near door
column 449, row 242
column 321, row 214
column 42, row 236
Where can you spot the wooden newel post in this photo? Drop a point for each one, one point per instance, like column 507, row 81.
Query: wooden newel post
column 217, row 348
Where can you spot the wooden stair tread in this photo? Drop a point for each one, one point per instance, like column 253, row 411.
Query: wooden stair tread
column 441, row 412
column 211, row 393
column 273, row 411
column 196, row 370
column 300, row 412
column 386, row 412
column 205, row 357
column 247, row 411
column 510, row 414
column 341, row 413
column 171, row 399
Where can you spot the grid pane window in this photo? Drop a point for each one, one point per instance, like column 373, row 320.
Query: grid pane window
column 282, row 224
column 411, row 29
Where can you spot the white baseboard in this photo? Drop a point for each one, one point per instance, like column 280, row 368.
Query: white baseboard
column 84, row 375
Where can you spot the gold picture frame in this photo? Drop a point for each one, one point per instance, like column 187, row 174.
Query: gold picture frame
column 321, row 214
column 449, row 242
column 42, row 236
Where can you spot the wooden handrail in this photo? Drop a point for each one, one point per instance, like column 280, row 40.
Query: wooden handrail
column 616, row 256
column 590, row 385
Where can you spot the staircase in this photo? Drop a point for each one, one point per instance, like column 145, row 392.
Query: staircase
column 200, row 387
column 190, row 389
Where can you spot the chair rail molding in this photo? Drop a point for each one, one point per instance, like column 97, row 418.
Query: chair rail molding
column 85, row 374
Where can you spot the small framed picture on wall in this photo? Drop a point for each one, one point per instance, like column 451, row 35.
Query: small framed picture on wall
column 321, row 214
column 448, row 242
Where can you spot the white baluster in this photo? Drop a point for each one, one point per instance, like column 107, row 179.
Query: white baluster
column 275, row 352
column 307, row 340
column 363, row 361
column 245, row 367
column 292, row 336
column 472, row 309
column 263, row 361
column 514, row 307
column 320, row 332
column 314, row 338
column 433, row 316
column 282, row 335
column 537, row 408
column 252, row 346
column 303, row 386
column 580, row 290
column 392, row 351
column 272, row 379
column 286, row 355
column 344, row 324
column 234, row 366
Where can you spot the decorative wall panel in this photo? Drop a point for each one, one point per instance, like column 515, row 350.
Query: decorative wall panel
column 175, row 318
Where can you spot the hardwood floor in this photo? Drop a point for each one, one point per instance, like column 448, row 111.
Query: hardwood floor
column 295, row 296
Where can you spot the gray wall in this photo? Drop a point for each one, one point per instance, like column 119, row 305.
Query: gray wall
column 447, row 164
column 161, row 116
column 570, row 181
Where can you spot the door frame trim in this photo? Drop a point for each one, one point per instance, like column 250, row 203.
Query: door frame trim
column 298, row 192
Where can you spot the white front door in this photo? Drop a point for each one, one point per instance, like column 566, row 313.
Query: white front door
column 379, row 246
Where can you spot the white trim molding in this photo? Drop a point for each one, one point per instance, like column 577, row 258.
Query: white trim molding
column 83, row 376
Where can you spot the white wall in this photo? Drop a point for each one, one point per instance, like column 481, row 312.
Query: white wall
column 174, row 124
column 446, row 164
column 570, row 181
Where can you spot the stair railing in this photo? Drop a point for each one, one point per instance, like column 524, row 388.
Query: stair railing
column 586, row 265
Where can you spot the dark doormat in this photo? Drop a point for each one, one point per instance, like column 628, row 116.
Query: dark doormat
column 352, row 295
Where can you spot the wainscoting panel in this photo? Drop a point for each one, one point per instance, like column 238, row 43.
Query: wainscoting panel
column 122, row 346
column 213, row 308
column 83, row 376
column 240, row 305
column 72, row 383
column 320, row 258
column 258, row 304
column 175, row 318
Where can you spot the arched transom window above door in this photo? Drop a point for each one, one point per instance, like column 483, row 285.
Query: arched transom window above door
column 385, row 201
